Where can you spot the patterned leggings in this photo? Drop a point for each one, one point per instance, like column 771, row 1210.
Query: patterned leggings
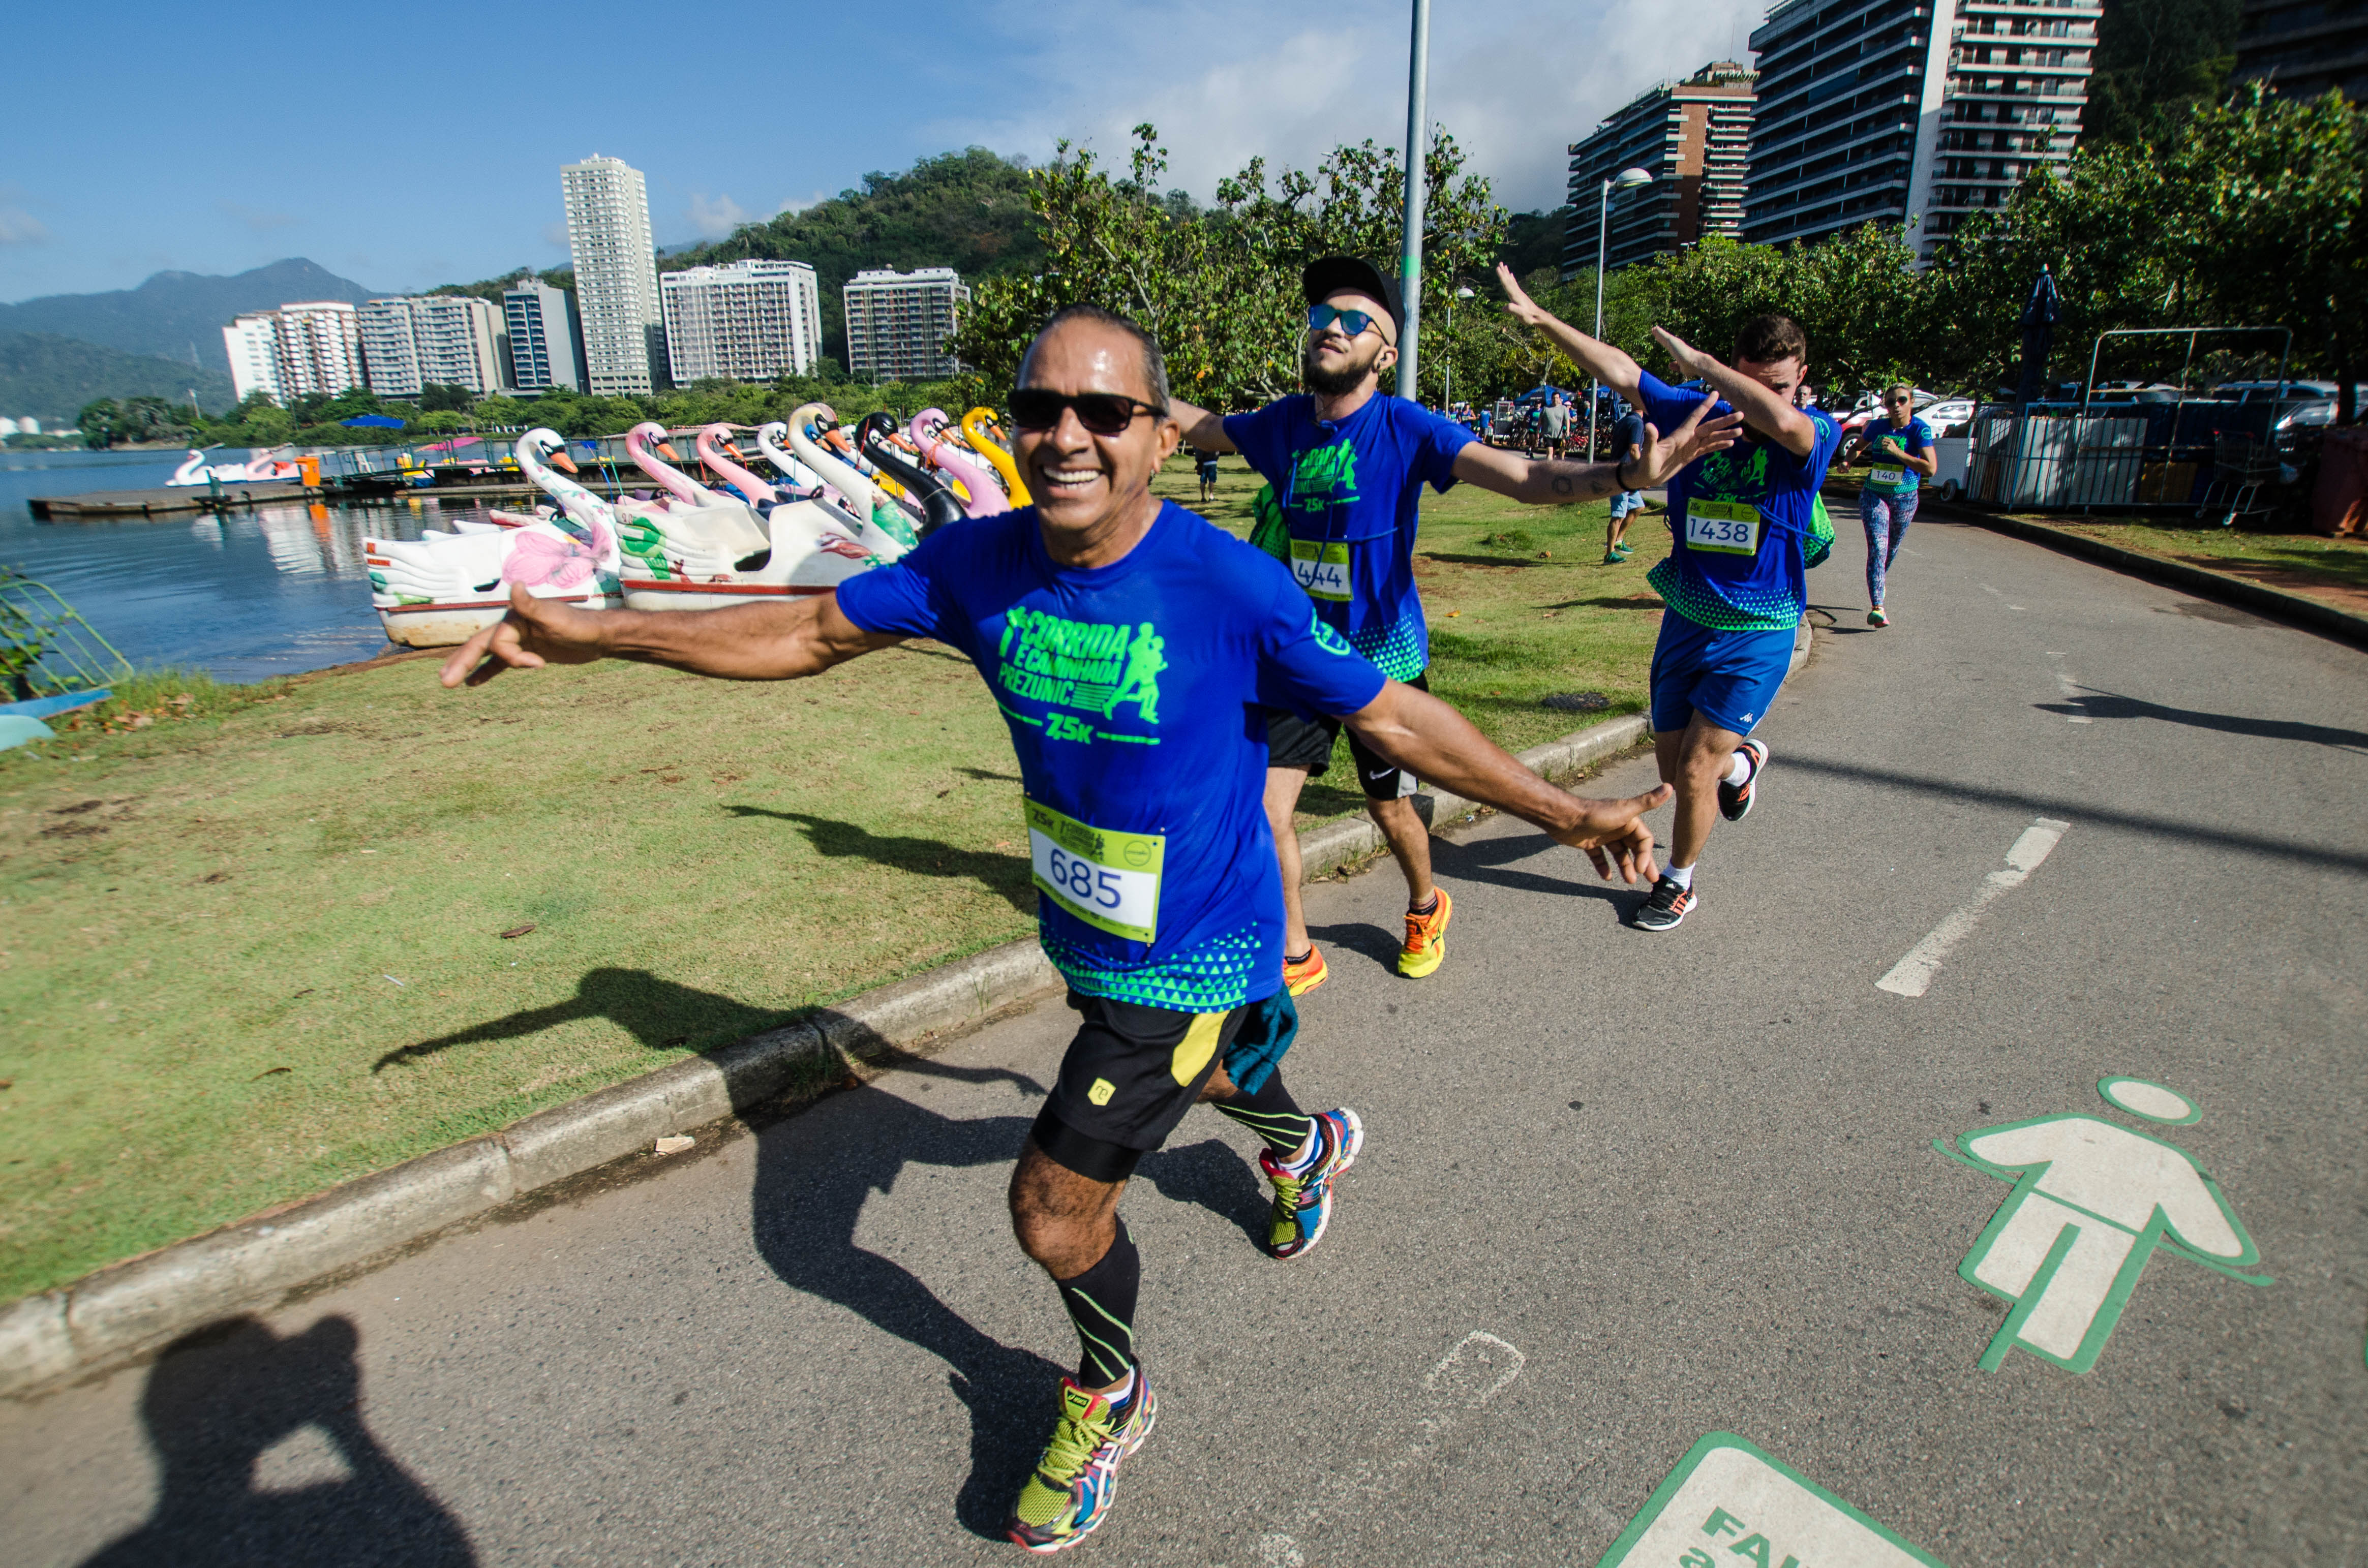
column 1886, row 519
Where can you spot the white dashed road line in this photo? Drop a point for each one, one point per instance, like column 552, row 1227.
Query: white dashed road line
column 2072, row 693
column 1912, row 975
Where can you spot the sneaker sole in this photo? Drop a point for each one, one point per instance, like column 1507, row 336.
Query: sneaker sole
column 1414, row 968
column 1150, row 1419
column 1300, row 987
column 1352, row 1144
column 1760, row 768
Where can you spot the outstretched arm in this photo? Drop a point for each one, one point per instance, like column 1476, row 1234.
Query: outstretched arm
column 779, row 641
column 1419, row 733
column 1548, row 481
column 1598, row 359
column 1201, row 428
column 1770, row 412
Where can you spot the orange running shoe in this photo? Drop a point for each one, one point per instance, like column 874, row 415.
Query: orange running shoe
column 1425, row 939
column 1306, row 974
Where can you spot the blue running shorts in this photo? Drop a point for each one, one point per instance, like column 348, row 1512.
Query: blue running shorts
column 1729, row 678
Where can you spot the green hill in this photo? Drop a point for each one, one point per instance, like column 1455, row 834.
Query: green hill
column 177, row 316
column 51, row 377
column 967, row 211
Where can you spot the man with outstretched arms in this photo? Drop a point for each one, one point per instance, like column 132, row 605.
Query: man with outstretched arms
column 1348, row 463
column 1744, row 526
column 1134, row 651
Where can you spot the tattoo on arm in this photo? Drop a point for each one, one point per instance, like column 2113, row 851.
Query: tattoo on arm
column 1563, row 484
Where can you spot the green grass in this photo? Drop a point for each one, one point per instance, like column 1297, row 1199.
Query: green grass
column 2299, row 562
column 199, row 917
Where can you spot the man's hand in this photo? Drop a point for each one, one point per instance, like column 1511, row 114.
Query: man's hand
column 1517, row 303
column 1696, row 438
column 1614, row 831
column 1685, row 356
column 534, row 633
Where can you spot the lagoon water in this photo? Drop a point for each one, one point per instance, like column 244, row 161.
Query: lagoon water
column 249, row 594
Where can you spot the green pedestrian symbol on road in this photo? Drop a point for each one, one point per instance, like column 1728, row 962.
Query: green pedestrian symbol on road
column 2092, row 1202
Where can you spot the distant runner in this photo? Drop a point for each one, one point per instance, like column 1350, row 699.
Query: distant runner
column 1627, row 444
column 1742, row 525
column 1134, row 650
column 1347, row 463
column 1900, row 446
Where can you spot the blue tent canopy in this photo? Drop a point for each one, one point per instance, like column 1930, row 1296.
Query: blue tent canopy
column 373, row 422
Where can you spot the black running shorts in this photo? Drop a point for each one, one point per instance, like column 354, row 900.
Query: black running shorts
column 1294, row 742
column 1129, row 1075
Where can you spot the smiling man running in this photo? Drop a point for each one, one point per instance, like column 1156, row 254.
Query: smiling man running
column 1348, row 463
column 1742, row 527
column 1132, row 650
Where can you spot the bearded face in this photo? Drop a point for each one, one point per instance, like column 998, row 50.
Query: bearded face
column 1331, row 371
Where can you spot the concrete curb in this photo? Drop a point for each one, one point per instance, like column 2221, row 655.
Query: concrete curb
column 130, row 1308
column 2316, row 614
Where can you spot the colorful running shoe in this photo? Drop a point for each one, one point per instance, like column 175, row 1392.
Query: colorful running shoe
column 1624, row 550
column 1668, row 904
column 1070, row 1494
column 1425, row 939
column 1876, row 618
column 1735, row 800
column 1612, row 558
column 1302, row 1204
column 1304, row 976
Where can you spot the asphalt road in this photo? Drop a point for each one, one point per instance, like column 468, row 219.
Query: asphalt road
column 1620, row 1191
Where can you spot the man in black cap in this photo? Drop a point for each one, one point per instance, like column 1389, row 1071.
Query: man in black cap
column 1348, row 463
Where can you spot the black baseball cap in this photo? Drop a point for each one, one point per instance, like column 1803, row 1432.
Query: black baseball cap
column 1332, row 273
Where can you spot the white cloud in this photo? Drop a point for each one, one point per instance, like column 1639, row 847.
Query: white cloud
column 799, row 205
column 1515, row 83
column 717, row 217
column 19, row 227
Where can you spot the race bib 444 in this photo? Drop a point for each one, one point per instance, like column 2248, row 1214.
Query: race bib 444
column 1322, row 569
column 1107, row 879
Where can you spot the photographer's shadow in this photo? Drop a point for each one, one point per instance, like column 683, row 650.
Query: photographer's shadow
column 815, row 1174
column 216, row 1402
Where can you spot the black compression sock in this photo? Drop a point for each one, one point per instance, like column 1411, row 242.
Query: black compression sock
column 1102, row 1306
column 1273, row 1114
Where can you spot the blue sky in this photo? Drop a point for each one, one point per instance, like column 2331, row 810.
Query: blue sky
column 406, row 146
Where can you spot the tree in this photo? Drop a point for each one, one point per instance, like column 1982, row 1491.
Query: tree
column 1220, row 287
column 99, row 423
column 434, row 396
column 2156, row 60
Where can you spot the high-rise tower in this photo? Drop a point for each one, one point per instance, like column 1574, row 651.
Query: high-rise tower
column 616, row 277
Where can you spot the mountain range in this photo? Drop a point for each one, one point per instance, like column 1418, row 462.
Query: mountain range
column 51, row 378
column 176, row 316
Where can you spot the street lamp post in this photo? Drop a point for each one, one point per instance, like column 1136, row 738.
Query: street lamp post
column 1627, row 179
column 1447, row 397
column 1410, row 243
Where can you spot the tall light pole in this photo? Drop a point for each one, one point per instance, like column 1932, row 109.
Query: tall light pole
column 1410, row 246
column 1627, row 179
column 1447, row 396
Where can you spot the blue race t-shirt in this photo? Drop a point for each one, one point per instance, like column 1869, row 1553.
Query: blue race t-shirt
column 1891, row 476
column 1629, row 432
column 1132, row 692
column 1350, row 491
column 1739, row 521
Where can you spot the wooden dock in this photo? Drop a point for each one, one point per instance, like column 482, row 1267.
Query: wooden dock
column 162, row 503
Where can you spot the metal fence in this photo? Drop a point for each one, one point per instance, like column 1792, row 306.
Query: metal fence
column 2052, row 462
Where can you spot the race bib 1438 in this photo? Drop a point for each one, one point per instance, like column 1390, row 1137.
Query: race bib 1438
column 1725, row 528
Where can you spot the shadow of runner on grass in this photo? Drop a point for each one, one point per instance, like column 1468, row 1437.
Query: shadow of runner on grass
column 1004, row 875
column 659, row 1013
column 216, row 1402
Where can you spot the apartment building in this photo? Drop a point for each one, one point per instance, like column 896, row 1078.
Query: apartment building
column 318, row 348
column 252, row 343
column 546, row 337
column 897, row 323
column 616, row 277
column 749, row 322
column 415, row 341
column 1916, row 112
column 2303, row 47
column 1694, row 138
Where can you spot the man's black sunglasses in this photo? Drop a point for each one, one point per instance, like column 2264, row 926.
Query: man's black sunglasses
column 1103, row 413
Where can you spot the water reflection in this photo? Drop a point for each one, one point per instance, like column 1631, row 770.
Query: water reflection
column 254, row 593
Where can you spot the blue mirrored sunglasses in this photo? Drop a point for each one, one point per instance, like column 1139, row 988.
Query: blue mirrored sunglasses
column 1353, row 323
